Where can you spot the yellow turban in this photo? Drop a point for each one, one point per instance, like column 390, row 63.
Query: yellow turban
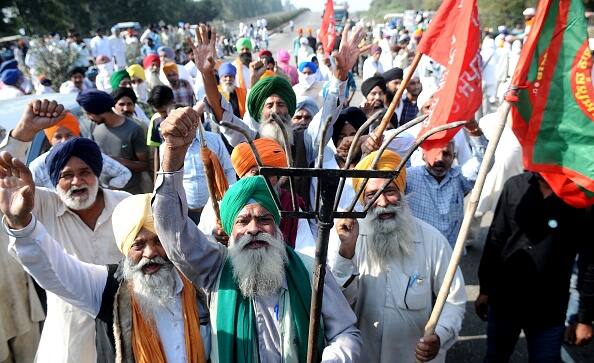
column 136, row 71
column 388, row 162
column 129, row 216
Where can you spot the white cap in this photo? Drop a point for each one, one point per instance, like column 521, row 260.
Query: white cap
column 401, row 143
column 425, row 96
column 529, row 12
column 501, row 28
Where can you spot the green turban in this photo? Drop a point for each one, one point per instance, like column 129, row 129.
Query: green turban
column 117, row 77
column 242, row 193
column 266, row 87
column 243, row 43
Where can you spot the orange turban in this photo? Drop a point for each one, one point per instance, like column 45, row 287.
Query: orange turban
column 388, row 161
column 69, row 121
column 271, row 153
column 170, row 68
column 267, row 73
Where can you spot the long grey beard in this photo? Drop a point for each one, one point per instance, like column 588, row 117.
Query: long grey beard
column 152, row 291
column 261, row 271
column 390, row 239
column 152, row 79
column 270, row 129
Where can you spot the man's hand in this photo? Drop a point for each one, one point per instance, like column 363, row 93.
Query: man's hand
column 578, row 334
column 366, row 107
column 427, row 347
column 17, row 191
column 348, row 232
column 473, row 128
column 348, row 52
column 220, row 235
column 257, row 69
column 38, row 115
column 178, row 130
column 583, row 334
column 371, row 143
column 481, row 306
column 204, row 49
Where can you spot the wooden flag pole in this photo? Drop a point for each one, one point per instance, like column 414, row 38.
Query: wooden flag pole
column 396, row 100
column 469, row 213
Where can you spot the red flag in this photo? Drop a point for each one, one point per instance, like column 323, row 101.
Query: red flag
column 328, row 28
column 453, row 40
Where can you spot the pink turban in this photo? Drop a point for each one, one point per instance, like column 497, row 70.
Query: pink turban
column 283, row 56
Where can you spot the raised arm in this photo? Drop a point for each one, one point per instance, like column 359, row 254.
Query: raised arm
column 204, row 56
column 38, row 115
column 188, row 248
column 81, row 284
column 344, row 60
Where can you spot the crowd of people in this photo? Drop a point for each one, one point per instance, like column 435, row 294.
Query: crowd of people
column 142, row 261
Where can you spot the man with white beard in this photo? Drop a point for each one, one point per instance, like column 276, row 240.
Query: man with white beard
column 259, row 289
column 233, row 94
column 144, row 310
column 390, row 270
column 274, row 97
column 78, row 215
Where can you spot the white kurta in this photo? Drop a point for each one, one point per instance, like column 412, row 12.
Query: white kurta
column 118, row 50
column 69, row 333
column 508, row 162
column 392, row 306
column 101, row 46
column 371, row 67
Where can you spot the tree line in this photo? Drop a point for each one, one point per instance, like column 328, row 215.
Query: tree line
column 491, row 13
column 47, row 16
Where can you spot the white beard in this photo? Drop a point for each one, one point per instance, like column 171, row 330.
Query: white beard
column 270, row 129
column 151, row 291
column 228, row 88
column 152, row 78
column 261, row 271
column 141, row 91
column 76, row 202
column 390, row 239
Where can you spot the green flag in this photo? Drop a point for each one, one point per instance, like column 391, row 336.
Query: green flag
column 554, row 114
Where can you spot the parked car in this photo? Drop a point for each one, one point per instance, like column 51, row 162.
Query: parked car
column 13, row 109
column 127, row 25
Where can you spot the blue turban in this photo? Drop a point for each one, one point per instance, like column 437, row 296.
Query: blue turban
column 95, row 101
column 169, row 53
column 9, row 64
column 227, row 69
column 85, row 149
column 310, row 65
column 10, row 76
column 308, row 104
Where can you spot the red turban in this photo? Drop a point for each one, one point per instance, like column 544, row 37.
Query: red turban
column 149, row 59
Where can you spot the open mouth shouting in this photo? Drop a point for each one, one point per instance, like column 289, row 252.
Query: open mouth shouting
column 151, row 267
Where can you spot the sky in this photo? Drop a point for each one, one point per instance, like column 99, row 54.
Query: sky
column 318, row 5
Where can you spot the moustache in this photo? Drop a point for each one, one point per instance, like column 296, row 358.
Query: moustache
column 73, row 190
column 148, row 261
column 246, row 239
